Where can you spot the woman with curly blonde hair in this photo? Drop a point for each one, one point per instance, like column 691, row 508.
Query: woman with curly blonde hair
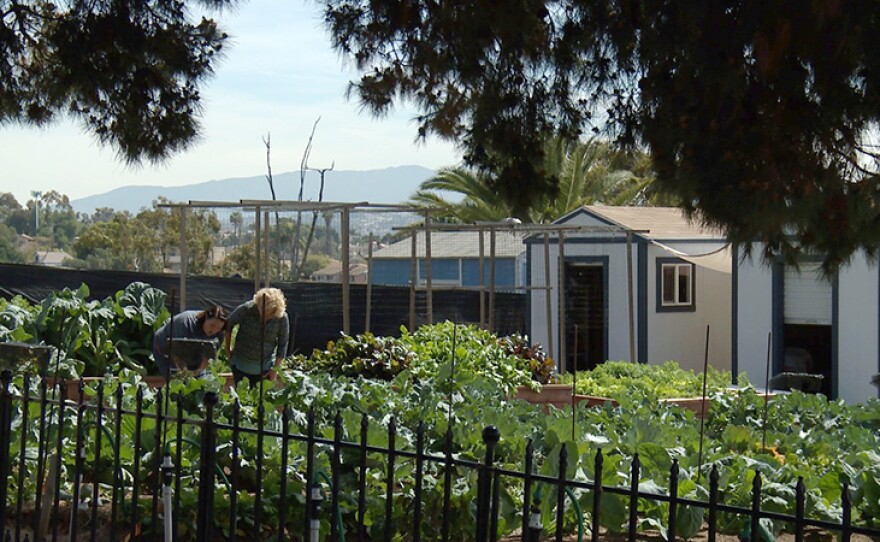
column 261, row 321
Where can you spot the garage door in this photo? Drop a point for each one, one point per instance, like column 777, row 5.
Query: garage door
column 807, row 296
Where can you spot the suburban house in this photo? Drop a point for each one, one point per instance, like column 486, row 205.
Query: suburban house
column 455, row 260
column 638, row 284
column 332, row 272
column 813, row 323
column 51, row 258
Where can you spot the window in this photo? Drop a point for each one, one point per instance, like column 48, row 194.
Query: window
column 675, row 285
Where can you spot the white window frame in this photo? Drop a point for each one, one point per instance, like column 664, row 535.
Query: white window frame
column 677, row 266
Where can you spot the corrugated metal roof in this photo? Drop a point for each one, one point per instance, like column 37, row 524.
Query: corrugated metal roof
column 449, row 244
column 661, row 222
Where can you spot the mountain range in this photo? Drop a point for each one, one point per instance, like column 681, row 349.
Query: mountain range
column 390, row 185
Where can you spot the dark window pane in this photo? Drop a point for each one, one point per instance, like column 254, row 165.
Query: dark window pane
column 684, row 284
column 668, row 284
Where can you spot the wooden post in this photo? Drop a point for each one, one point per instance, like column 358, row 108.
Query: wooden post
column 429, row 301
column 563, row 335
column 413, row 278
column 492, row 280
column 369, row 301
column 548, row 298
column 346, row 278
column 482, row 281
column 184, row 260
column 267, row 261
column 258, row 249
column 629, row 291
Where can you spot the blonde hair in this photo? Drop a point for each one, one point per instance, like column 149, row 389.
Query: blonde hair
column 274, row 302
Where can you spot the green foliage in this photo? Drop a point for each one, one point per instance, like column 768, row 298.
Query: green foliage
column 620, row 379
column 588, row 173
column 507, row 361
column 146, row 241
column 364, row 355
column 129, row 73
column 93, row 337
column 826, row 442
column 750, row 122
column 477, row 355
column 8, row 251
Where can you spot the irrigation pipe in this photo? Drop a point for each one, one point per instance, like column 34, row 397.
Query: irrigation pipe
column 574, row 504
column 339, row 523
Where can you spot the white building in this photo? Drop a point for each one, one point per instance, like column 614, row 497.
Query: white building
column 817, row 324
column 649, row 300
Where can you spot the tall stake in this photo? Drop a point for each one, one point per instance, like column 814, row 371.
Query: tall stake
column 452, row 376
column 574, row 373
column 167, row 468
column 703, row 408
column 766, row 392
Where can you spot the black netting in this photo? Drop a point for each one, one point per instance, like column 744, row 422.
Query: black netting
column 315, row 309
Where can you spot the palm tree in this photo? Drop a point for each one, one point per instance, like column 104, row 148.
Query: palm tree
column 479, row 201
column 590, row 172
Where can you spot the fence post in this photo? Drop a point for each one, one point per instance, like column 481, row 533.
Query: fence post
column 207, row 460
column 491, row 436
column 5, row 434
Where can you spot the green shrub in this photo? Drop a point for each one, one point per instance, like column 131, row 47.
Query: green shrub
column 428, row 353
column 365, row 355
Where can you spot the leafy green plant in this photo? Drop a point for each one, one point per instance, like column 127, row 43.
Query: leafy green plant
column 620, row 379
column 541, row 366
column 363, row 355
column 92, row 337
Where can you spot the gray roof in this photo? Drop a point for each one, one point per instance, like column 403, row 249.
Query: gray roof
column 456, row 244
column 660, row 222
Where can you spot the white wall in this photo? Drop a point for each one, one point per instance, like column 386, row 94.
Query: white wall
column 754, row 316
column 857, row 333
column 681, row 336
column 858, row 323
column 618, row 316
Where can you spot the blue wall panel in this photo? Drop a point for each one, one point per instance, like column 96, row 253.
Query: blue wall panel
column 391, row 272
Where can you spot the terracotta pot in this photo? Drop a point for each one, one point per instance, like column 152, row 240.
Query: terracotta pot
column 699, row 407
column 71, row 387
column 696, row 405
column 558, row 395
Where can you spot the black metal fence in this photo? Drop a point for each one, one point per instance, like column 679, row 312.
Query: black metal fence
column 68, row 470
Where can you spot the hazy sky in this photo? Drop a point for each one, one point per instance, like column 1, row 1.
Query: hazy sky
column 278, row 77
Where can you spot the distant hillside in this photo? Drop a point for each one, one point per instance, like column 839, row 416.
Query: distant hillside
column 392, row 185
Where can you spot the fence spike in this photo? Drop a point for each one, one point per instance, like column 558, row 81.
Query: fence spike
column 447, row 483
column 635, row 473
column 597, row 494
column 334, row 473
column 714, row 478
column 560, row 491
column 527, row 489
column 491, row 436
column 310, row 466
column 846, row 505
column 800, row 500
column 673, row 499
column 362, row 478
column 420, row 467
column 233, row 495
column 755, row 523
column 285, row 446
column 389, row 484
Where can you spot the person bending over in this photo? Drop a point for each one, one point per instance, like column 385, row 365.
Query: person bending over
column 208, row 324
column 261, row 321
